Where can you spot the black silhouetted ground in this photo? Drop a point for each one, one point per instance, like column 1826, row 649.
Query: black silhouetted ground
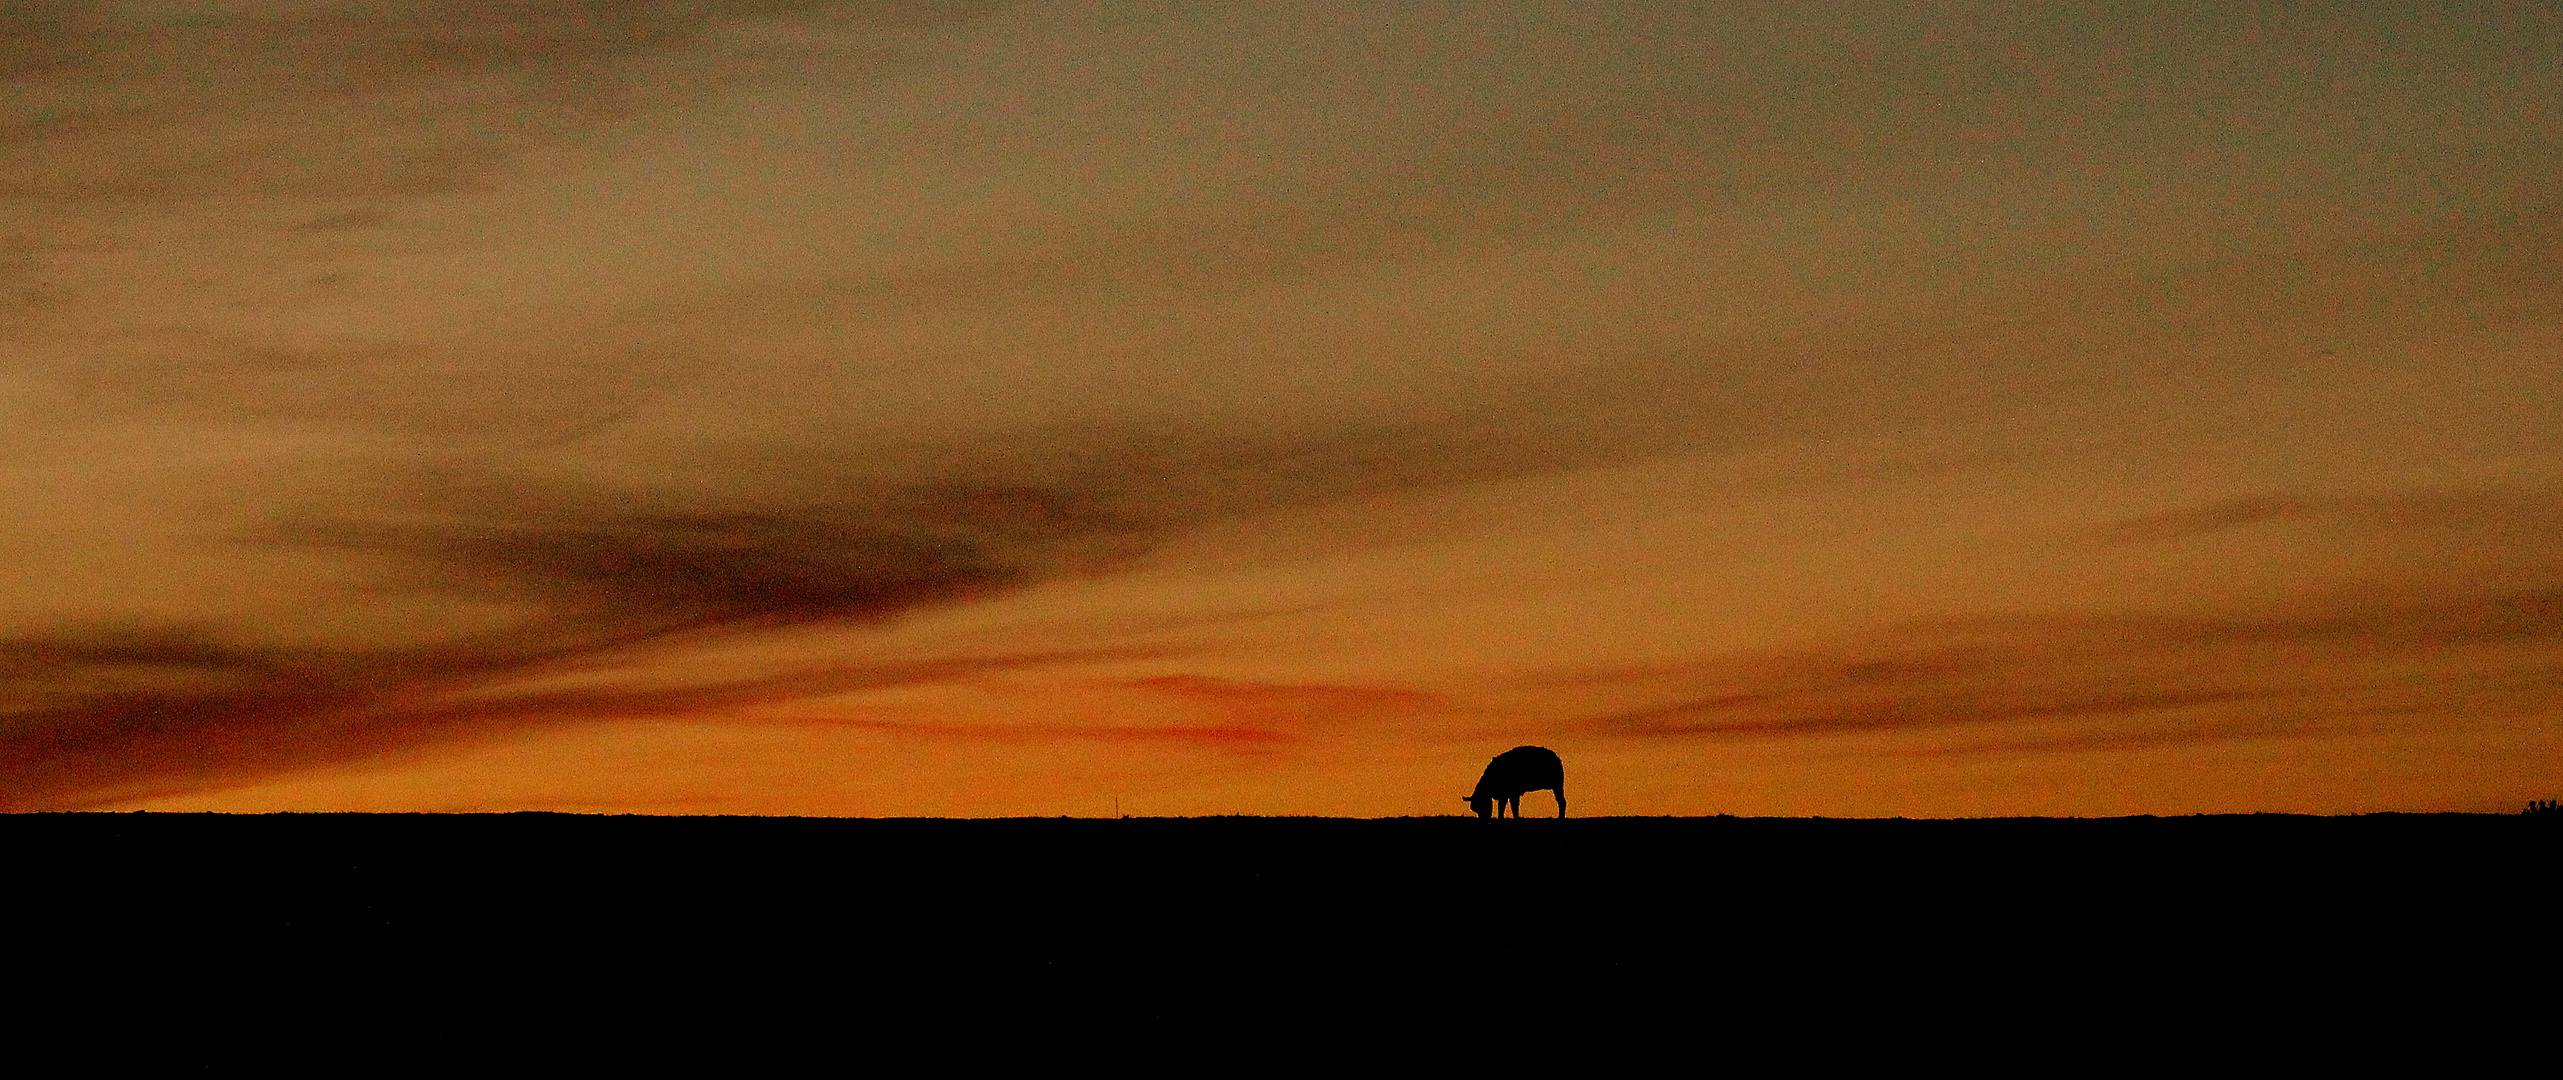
column 1167, row 921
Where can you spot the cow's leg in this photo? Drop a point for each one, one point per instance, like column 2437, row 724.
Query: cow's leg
column 1560, row 792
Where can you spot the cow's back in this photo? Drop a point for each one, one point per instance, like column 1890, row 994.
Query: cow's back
column 1520, row 769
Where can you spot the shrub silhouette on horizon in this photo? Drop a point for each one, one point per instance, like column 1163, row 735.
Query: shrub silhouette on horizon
column 1513, row 772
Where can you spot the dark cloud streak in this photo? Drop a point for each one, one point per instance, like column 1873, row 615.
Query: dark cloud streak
column 731, row 567
column 2530, row 521
column 2125, row 681
column 87, row 714
column 193, row 714
column 90, row 717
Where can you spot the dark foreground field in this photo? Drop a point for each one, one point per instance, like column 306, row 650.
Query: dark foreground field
column 1060, row 895
column 1120, row 932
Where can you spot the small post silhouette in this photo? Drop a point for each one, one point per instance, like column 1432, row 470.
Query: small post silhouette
column 1513, row 772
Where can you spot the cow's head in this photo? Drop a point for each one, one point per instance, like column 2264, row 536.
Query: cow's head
column 1483, row 804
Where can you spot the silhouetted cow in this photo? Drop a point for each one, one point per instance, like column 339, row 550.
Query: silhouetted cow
column 1520, row 769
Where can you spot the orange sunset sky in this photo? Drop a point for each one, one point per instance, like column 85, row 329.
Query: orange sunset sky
column 953, row 408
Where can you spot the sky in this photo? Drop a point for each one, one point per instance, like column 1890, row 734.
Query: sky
column 951, row 408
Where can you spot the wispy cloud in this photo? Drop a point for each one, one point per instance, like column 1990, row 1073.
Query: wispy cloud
column 93, row 721
column 605, row 578
column 126, row 102
column 1995, row 683
column 2528, row 520
column 85, row 713
column 1286, row 705
column 1206, row 735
